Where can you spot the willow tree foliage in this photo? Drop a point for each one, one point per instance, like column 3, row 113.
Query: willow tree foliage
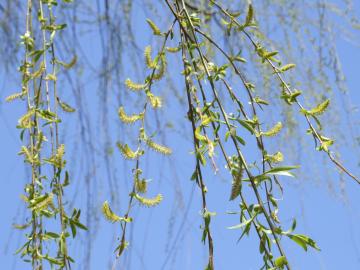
column 240, row 84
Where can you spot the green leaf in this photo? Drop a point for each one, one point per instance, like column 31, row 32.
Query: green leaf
column 70, row 64
column 250, row 15
column 52, row 260
column 246, row 125
column 236, row 184
column 65, row 107
column 123, row 245
column 41, row 202
column 245, row 223
column 51, row 235
column 303, row 240
column 79, row 225
column 281, row 171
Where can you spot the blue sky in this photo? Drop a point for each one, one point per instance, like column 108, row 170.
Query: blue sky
column 325, row 210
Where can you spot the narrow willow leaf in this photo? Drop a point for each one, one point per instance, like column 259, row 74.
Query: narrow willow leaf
column 245, row 223
column 319, row 109
column 325, row 143
column 246, row 125
column 153, row 26
column 158, row 147
column 134, row 86
column 120, row 249
column 127, row 152
column 261, row 101
column 129, row 119
column 149, row 62
column 236, row 186
column 281, row 171
column 51, row 235
column 22, row 227
column 70, row 64
column 65, row 107
column 250, row 15
column 109, row 214
column 149, row 202
column 52, row 260
column 286, row 67
column 303, row 240
column 273, row 131
column 48, row 116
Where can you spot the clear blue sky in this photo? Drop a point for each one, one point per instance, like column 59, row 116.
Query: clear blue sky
column 322, row 212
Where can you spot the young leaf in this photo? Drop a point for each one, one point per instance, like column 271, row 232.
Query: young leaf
column 41, row 202
column 123, row 245
column 70, row 64
column 303, row 240
column 250, row 15
column 245, row 223
column 65, row 107
column 281, row 171
column 236, row 184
